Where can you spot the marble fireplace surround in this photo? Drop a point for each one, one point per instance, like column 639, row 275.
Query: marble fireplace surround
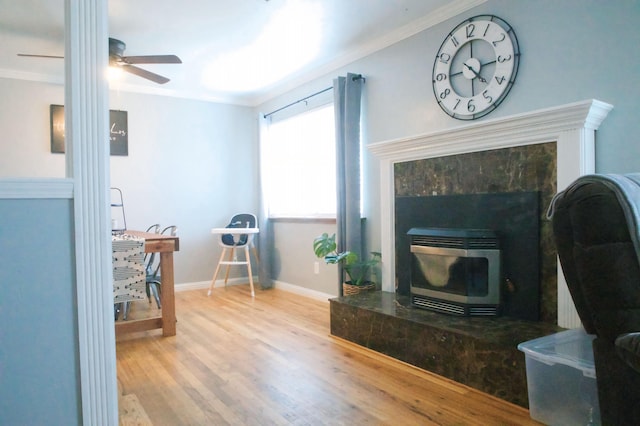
column 572, row 127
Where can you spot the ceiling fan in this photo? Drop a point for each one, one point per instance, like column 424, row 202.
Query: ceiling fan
column 117, row 59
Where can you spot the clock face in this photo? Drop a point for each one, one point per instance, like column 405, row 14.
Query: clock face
column 475, row 67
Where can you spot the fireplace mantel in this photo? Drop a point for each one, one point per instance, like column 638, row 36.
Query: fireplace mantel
column 572, row 127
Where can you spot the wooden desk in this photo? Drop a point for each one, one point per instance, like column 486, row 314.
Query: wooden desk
column 165, row 245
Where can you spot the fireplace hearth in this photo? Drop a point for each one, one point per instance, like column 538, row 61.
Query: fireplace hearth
column 480, row 352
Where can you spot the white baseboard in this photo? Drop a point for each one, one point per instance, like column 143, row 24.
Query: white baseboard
column 303, row 291
column 199, row 285
column 191, row 286
column 291, row 288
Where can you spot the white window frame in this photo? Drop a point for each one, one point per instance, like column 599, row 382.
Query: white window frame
column 309, row 143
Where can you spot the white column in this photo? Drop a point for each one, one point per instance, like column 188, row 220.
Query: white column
column 87, row 163
column 576, row 157
column 387, row 216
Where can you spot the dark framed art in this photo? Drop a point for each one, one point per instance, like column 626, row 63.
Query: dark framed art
column 118, row 131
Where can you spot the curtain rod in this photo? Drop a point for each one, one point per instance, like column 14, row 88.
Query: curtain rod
column 357, row 77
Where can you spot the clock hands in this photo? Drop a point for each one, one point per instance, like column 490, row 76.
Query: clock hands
column 474, row 72
column 471, row 69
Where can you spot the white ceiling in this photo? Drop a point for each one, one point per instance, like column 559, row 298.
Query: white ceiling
column 234, row 51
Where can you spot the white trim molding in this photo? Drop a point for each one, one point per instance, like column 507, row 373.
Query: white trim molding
column 572, row 127
column 280, row 285
column 200, row 285
column 31, row 188
column 303, row 291
column 447, row 11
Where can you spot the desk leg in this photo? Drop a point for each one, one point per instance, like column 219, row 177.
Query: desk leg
column 168, row 295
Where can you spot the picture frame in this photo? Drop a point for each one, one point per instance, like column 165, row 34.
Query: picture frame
column 118, row 131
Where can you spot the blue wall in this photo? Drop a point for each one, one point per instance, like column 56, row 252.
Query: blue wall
column 39, row 367
column 572, row 50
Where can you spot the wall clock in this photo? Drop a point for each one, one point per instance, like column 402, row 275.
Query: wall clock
column 475, row 67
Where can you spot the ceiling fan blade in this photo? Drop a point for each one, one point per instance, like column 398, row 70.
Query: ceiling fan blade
column 40, row 56
column 152, row 59
column 145, row 74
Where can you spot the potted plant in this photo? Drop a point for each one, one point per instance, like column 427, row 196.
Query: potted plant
column 358, row 270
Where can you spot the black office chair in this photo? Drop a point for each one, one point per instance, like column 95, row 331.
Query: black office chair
column 596, row 225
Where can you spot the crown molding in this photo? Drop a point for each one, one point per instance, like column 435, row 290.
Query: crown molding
column 31, row 76
column 449, row 10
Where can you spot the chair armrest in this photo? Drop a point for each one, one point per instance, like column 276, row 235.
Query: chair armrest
column 628, row 348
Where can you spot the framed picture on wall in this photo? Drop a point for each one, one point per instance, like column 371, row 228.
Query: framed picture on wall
column 118, row 131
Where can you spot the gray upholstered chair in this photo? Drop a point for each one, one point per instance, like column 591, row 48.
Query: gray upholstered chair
column 596, row 224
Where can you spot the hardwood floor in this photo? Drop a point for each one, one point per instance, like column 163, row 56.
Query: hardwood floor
column 271, row 361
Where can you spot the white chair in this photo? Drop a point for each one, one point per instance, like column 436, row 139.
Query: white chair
column 237, row 235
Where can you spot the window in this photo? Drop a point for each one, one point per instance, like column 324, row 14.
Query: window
column 299, row 164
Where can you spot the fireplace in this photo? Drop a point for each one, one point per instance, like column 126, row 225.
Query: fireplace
column 455, row 271
column 480, row 352
column 514, row 219
column 571, row 128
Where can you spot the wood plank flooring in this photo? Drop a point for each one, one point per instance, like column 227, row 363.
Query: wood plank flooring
column 271, row 361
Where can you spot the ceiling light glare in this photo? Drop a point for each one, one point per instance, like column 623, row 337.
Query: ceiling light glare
column 114, row 74
column 287, row 43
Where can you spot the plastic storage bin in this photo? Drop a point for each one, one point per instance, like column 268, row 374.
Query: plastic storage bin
column 561, row 379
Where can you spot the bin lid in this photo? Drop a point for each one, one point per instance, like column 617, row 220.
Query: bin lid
column 570, row 347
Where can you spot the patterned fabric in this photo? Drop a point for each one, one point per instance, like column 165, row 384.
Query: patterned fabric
column 129, row 278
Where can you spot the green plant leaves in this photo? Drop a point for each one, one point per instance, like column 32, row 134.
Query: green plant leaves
column 324, row 246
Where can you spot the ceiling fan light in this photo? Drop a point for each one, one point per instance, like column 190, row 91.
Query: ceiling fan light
column 114, row 73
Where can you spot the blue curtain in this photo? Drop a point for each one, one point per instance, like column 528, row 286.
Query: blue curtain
column 347, row 93
column 265, row 237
